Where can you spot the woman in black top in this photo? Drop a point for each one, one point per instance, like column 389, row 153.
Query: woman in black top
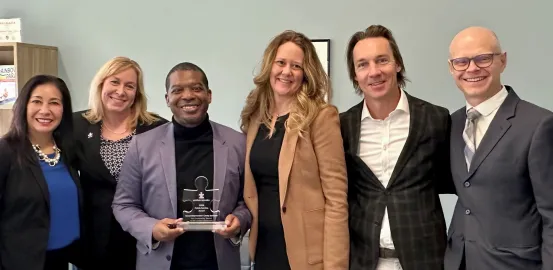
column 40, row 193
column 295, row 174
column 264, row 165
column 117, row 112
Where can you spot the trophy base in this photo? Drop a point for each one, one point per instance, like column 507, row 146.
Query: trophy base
column 203, row 226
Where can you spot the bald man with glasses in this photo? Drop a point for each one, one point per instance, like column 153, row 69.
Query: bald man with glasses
column 501, row 163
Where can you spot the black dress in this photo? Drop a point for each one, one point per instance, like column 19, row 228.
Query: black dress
column 271, row 248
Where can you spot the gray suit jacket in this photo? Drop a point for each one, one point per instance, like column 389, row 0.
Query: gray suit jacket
column 504, row 216
column 147, row 192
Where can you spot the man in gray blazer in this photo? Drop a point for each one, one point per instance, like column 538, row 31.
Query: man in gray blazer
column 502, row 165
column 163, row 162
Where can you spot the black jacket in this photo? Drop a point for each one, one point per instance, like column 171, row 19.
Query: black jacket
column 421, row 173
column 25, row 212
column 104, row 238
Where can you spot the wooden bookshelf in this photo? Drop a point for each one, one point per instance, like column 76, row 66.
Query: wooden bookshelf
column 29, row 60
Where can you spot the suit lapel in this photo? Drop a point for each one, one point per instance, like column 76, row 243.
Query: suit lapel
column 285, row 160
column 220, row 159
column 353, row 129
column 250, row 190
column 35, row 169
column 167, row 155
column 93, row 142
column 417, row 120
column 75, row 177
column 458, row 144
column 499, row 125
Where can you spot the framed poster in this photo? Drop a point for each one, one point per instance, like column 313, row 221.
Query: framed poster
column 10, row 30
column 322, row 47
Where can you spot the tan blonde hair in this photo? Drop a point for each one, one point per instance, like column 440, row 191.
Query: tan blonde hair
column 114, row 66
column 310, row 98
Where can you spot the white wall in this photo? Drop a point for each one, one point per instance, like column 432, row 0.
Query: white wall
column 227, row 39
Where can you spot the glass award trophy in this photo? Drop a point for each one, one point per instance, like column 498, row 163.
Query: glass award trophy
column 198, row 208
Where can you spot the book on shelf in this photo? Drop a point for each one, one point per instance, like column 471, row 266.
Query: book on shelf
column 8, row 89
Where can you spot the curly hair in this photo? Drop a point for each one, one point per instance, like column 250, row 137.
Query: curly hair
column 309, row 99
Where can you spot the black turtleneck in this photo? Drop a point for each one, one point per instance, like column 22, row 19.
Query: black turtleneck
column 194, row 157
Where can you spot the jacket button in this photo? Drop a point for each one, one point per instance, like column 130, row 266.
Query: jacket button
column 284, row 209
column 168, row 257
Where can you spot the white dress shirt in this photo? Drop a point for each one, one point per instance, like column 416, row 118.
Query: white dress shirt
column 380, row 144
column 488, row 109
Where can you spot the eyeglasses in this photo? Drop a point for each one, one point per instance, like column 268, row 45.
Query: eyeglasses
column 481, row 61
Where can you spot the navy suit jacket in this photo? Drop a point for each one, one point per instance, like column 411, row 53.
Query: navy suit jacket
column 504, row 215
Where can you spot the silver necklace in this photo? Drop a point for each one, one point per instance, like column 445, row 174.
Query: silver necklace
column 50, row 161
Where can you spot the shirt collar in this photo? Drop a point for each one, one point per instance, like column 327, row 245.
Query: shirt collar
column 488, row 106
column 402, row 105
